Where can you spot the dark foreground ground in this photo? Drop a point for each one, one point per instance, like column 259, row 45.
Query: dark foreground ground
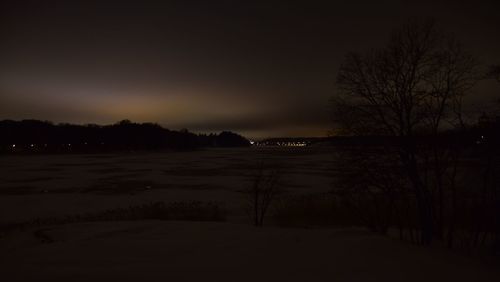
column 201, row 251
column 149, row 250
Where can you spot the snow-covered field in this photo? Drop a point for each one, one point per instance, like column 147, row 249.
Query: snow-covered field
column 40, row 185
column 35, row 186
column 201, row 251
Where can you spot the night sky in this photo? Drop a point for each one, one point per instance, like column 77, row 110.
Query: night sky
column 258, row 68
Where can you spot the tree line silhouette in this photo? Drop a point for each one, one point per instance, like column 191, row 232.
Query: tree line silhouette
column 44, row 136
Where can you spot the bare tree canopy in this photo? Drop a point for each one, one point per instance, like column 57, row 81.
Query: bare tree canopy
column 415, row 83
column 413, row 86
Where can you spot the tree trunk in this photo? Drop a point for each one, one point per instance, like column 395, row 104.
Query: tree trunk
column 424, row 204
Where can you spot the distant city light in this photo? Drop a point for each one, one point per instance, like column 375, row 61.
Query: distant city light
column 13, row 145
column 283, row 143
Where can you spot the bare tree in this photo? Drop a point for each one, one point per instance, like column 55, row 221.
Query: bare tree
column 264, row 190
column 414, row 86
column 370, row 186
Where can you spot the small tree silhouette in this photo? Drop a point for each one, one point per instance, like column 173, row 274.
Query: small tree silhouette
column 265, row 188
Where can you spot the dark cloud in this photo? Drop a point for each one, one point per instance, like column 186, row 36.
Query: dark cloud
column 264, row 67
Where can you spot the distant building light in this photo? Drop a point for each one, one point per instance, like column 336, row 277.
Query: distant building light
column 252, row 142
column 13, row 145
column 32, row 145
